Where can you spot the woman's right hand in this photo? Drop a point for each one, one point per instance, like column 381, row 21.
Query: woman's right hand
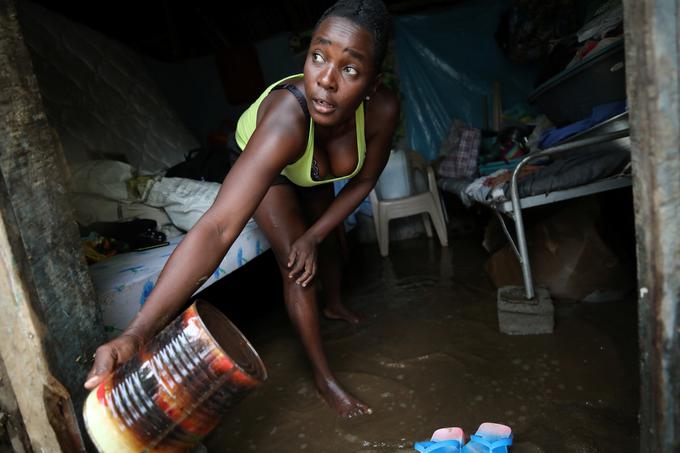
column 111, row 354
column 302, row 259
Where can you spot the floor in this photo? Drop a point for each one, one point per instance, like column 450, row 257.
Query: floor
column 429, row 355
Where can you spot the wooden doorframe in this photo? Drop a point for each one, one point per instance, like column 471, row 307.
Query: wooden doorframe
column 48, row 316
column 652, row 34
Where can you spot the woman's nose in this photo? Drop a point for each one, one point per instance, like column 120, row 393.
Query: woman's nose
column 327, row 79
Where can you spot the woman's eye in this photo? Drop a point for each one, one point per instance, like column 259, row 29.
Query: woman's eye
column 317, row 58
column 351, row 71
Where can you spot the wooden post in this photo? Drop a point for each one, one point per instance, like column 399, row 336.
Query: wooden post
column 48, row 316
column 12, row 422
column 23, row 332
column 652, row 66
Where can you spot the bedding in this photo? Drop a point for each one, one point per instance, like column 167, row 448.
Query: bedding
column 574, row 170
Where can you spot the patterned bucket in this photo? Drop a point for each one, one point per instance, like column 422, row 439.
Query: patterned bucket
column 176, row 389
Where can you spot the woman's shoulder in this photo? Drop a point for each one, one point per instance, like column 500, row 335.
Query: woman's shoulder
column 383, row 102
column 276, row 99
column 280, row 108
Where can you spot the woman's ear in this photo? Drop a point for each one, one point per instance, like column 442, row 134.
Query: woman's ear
column 374, row 86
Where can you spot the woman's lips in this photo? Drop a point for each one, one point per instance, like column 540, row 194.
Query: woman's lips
column 322, row 106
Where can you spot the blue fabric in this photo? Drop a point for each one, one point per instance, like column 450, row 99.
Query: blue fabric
column 447, row 61
column 600, row 113
column 440, row 446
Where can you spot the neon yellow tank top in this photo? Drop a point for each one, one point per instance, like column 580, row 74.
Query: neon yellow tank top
column 300, row 171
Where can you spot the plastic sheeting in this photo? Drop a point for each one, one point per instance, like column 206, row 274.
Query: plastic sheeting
column 448, row 61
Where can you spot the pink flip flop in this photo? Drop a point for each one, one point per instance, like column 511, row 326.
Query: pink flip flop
column 489, row 438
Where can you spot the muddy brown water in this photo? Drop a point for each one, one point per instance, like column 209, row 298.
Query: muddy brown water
column 429, row 355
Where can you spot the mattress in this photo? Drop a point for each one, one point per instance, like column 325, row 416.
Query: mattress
column 123, row 282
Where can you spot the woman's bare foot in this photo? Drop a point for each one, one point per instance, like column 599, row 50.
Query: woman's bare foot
column 340, row 401
column 341, row 312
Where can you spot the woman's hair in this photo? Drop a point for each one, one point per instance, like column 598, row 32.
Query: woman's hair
column 369, row 14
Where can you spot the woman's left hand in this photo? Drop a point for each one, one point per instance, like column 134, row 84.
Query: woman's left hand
column 302, row 260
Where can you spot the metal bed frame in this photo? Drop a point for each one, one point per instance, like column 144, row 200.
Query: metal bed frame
column 513, row 208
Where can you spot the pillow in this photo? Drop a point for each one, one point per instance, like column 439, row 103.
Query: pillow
column 184, row 200
column 107, row 178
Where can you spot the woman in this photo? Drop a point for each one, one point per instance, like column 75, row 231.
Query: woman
column 333, row 122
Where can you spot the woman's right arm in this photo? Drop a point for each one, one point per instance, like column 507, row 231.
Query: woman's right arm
column 276, row 142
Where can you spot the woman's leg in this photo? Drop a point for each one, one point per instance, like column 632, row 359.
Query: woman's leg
column 281, row 219
column 315, row 201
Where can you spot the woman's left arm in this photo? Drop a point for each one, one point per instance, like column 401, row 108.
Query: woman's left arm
column 385, row 116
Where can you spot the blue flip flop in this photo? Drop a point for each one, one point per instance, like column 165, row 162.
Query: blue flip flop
column 489, row 438
column 444, row 440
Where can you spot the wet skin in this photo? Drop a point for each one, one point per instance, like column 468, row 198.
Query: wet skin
column 339, row 73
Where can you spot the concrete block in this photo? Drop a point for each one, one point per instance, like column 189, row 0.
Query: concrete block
column 519, row 316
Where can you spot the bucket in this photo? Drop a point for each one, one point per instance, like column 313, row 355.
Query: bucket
column 395, row 180
column 177, row 388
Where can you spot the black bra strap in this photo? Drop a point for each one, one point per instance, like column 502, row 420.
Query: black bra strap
column 298, row 95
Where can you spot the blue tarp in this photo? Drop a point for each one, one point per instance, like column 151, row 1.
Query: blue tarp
column 447, row 61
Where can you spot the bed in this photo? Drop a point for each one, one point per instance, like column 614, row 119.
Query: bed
column 123, row 282
column 592, row 161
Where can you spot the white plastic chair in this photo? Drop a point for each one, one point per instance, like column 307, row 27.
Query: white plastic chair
column 424, row 203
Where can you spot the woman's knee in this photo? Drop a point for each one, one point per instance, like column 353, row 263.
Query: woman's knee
column 281, row 253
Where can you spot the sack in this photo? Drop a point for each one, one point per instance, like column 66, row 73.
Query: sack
column 203, row 165
column 450, row 144
column 462, row 162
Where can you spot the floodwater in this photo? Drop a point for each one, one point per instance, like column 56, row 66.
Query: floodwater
column 429, row 355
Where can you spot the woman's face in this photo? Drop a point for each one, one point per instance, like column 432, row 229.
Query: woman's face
column 339, row 70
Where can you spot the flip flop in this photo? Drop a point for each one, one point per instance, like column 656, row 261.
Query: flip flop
column 489, row 438
column 444, row 440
